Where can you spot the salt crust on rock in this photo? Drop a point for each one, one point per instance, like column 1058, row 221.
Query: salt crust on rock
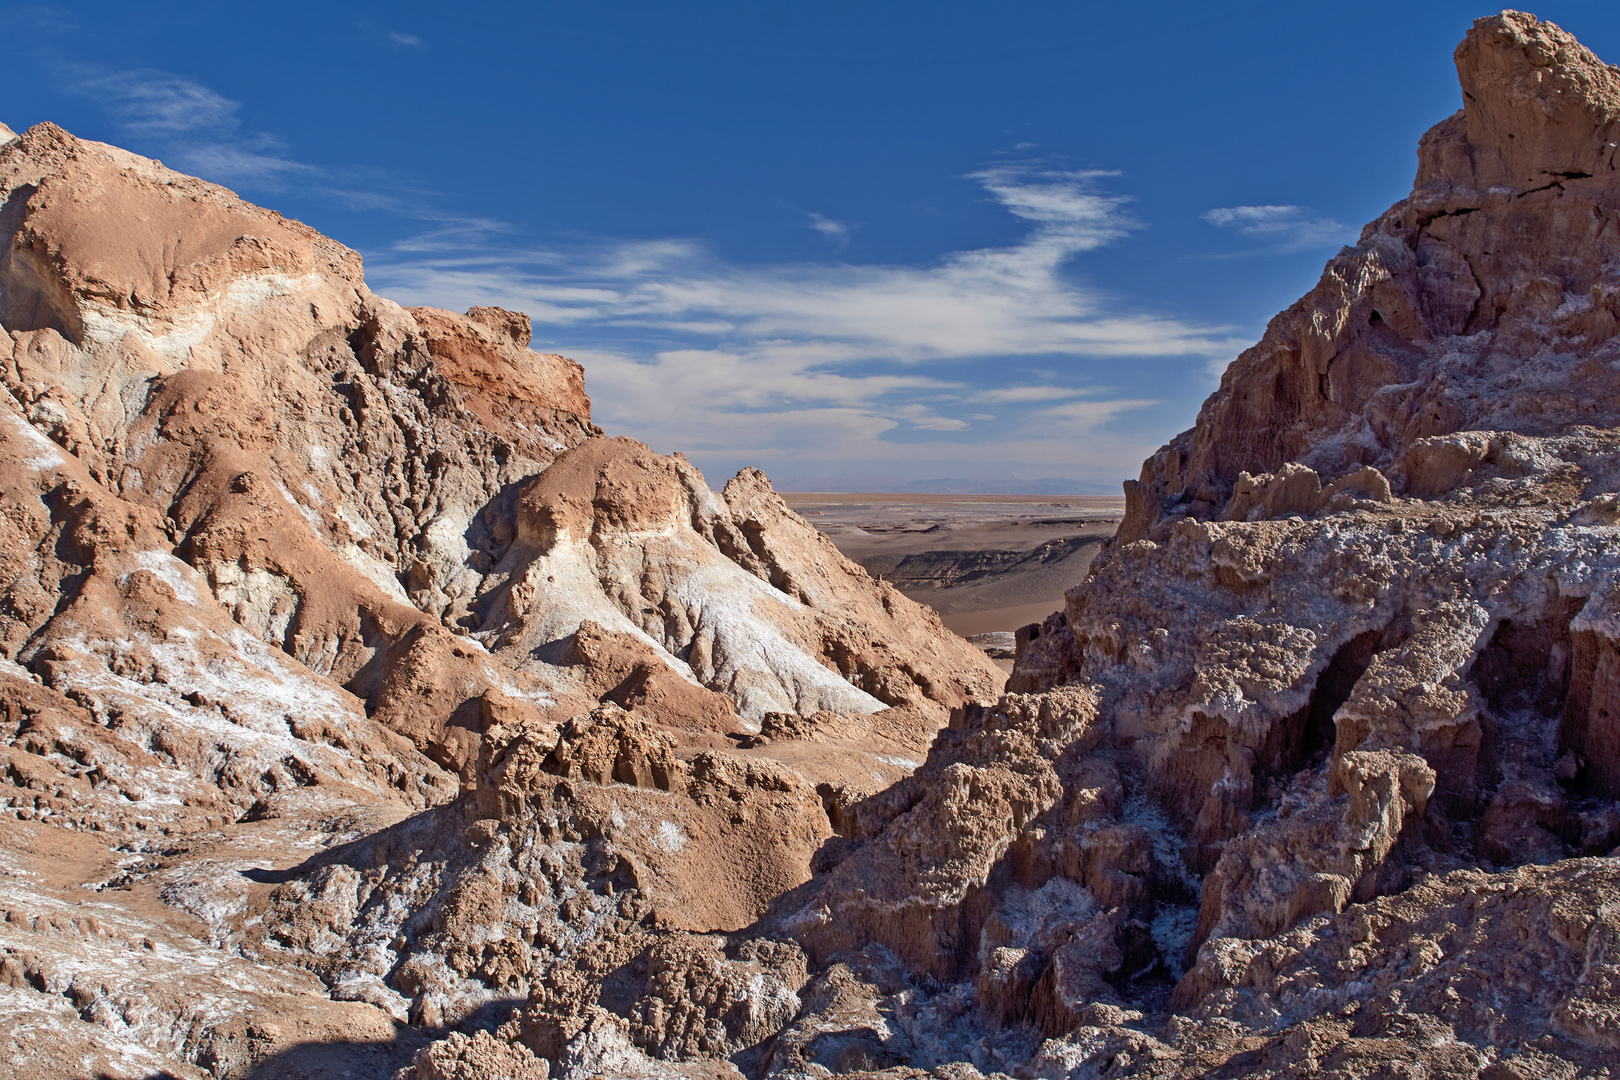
column 272, row 595
column 1316, row 774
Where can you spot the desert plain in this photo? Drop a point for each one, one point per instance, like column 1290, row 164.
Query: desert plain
column 987, row 563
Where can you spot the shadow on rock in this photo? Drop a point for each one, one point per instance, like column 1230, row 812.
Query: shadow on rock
column 355, row 1060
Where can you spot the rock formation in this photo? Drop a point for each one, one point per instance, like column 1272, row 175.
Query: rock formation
column 368, row 712
column 291, row 574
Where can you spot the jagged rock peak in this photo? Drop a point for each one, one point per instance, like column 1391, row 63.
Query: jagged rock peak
column 283, row 561
column 1355, row 630
column 1538, row 106
column 1485, row 300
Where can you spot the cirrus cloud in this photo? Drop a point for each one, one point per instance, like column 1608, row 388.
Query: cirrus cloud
column 982, row 358
column 1282, row 228
column 197, row 128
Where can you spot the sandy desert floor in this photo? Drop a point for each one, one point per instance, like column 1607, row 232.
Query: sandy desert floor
column 987, row 563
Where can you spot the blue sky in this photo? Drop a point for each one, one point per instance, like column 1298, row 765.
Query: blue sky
column 854, row 244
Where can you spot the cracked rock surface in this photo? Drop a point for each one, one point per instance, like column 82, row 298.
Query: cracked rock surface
column 354, row 685
column 368, row 712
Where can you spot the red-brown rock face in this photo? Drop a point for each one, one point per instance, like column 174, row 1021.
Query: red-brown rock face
column 365, row 708
column 277, row 570
column 1355, row 630
column 1474, row 304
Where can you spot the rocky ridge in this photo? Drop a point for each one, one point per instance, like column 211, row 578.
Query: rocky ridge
column 453, row 737
column 291, row 574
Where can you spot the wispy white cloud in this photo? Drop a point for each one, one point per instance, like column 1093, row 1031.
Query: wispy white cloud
column 1086, row 416
column 1281, row 228
column 991, row 301
column 836, row 231
column 720, row 409
column 41, row 18
column 1011, row 394
column 852, row 362
column 145, row 100
column 197, row 128
column 1066, row 202
column 925, row 421
column 388, row 37
column 448, row 234
column 764, row 378
column 251, row 161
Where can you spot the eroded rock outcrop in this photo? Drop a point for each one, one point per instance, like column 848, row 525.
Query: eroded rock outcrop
column 1382, row 542
column 292, row 575
column 362, row 675
column 733, row 590
column 1314, row 773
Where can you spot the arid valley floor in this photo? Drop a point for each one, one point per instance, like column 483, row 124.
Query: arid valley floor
column 987, row 563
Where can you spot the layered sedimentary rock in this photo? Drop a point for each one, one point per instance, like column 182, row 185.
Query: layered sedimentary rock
column 1312, row 772
column 397, row 719
column 289, row 572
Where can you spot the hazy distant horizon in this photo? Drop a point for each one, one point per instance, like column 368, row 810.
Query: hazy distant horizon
column 951, row 486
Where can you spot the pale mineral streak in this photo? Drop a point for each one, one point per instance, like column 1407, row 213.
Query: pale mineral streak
column 368, row 712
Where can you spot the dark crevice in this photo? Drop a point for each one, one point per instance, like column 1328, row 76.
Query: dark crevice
column 1522, row 672
column 1305, row 739
column 1333, row 689
column 1525, row 667
column 1558, row 183
column 1424, row 220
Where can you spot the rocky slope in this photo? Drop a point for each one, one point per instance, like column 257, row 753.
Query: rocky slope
column 366, row 710
column 285, row 567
